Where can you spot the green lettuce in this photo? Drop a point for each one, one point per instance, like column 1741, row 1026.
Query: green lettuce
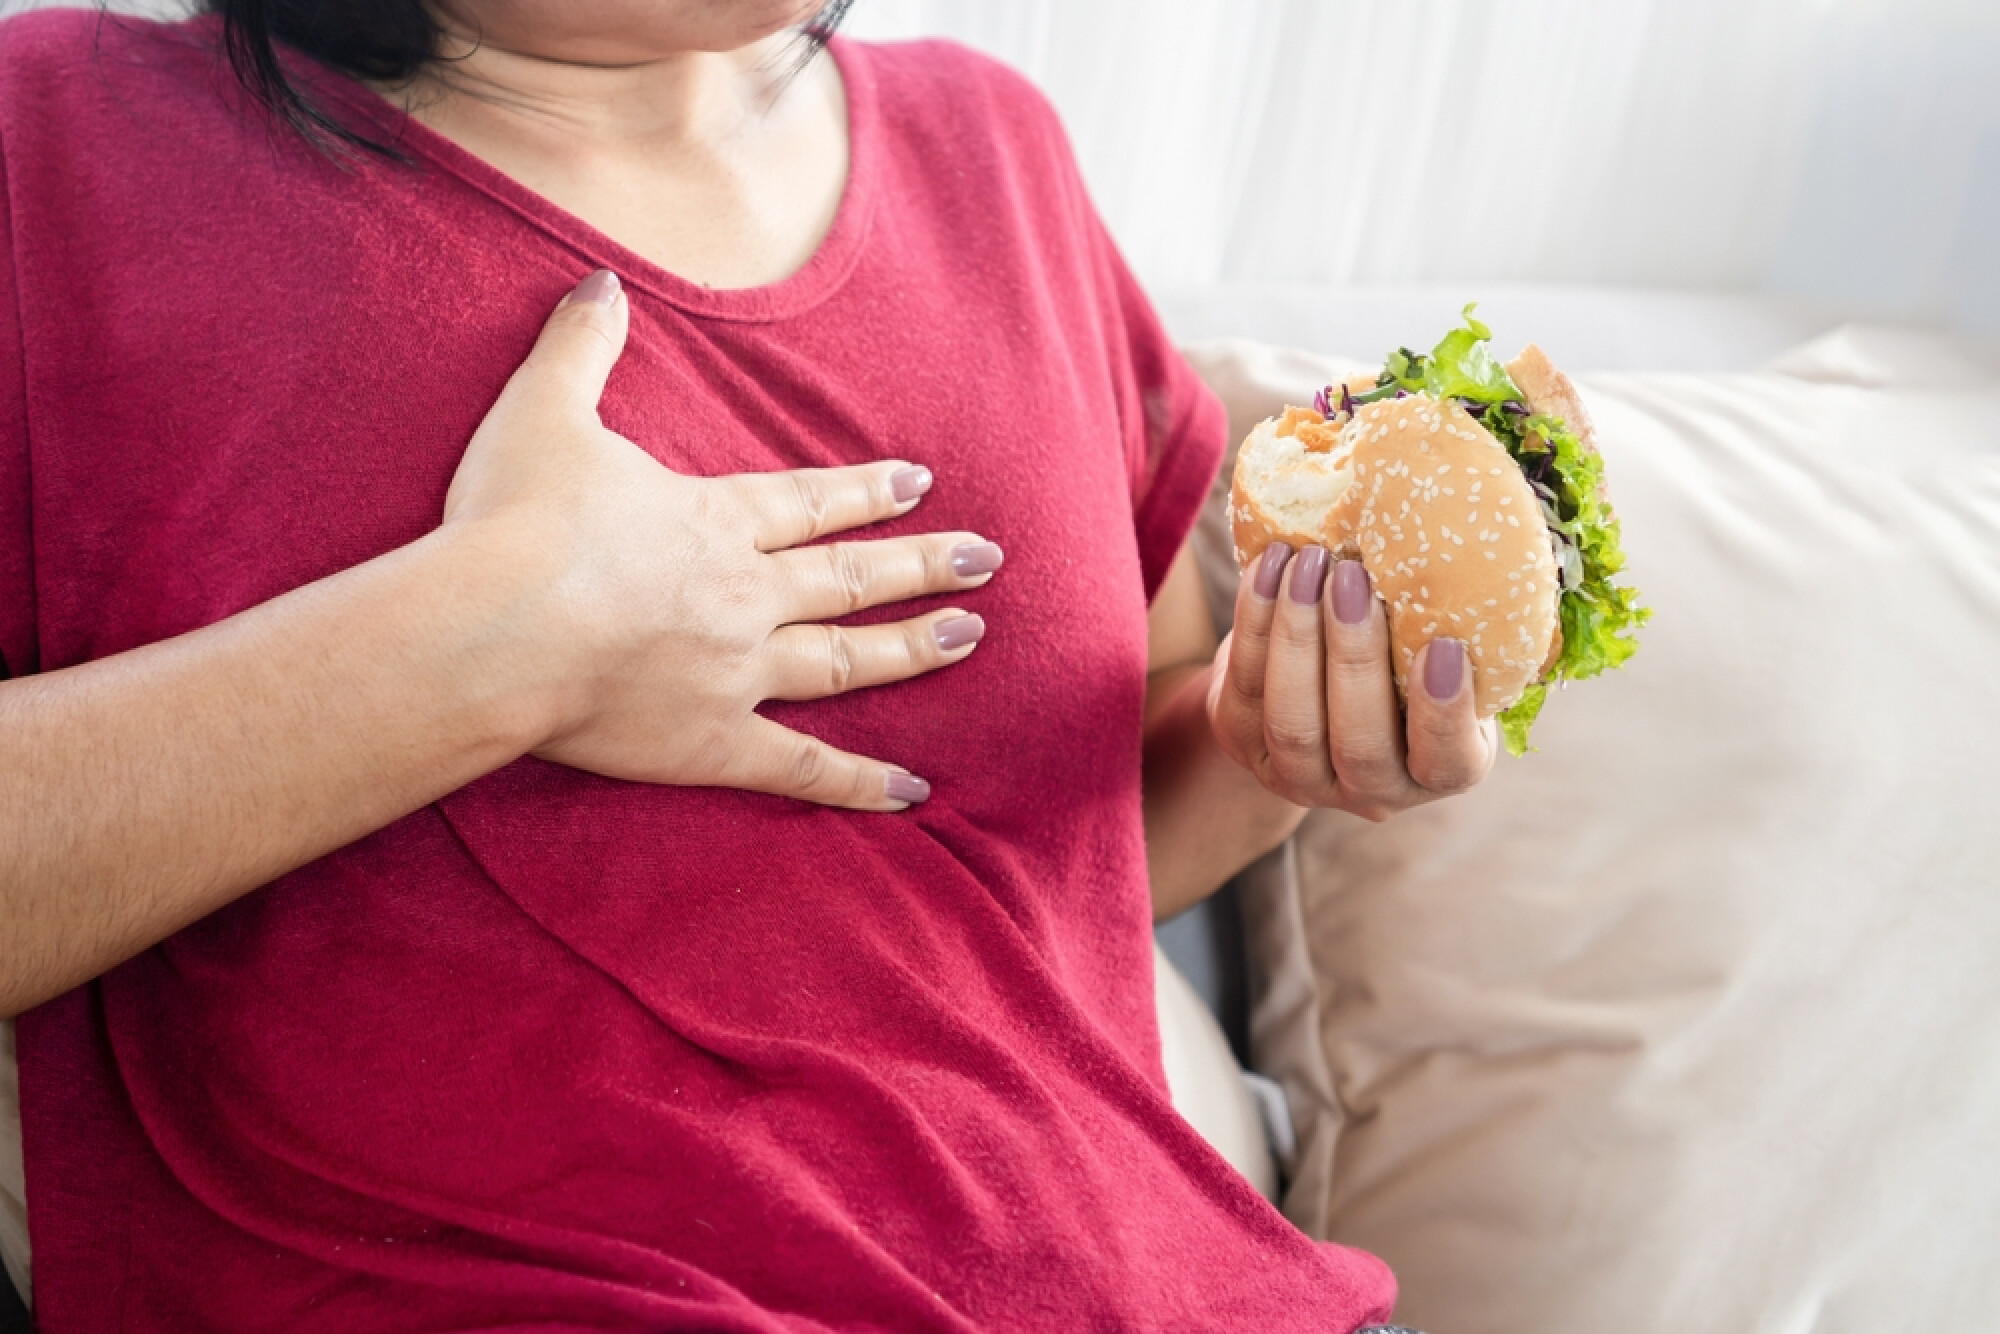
column 1599, row 617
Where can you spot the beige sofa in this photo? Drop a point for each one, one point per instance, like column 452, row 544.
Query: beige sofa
column 1685, row 1021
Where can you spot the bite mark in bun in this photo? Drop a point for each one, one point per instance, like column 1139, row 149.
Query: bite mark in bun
column 1473, row 494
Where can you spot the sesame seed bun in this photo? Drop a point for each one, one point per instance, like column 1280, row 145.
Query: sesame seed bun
column 1437, row 512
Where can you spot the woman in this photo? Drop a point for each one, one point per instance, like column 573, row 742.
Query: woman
column 619, row 961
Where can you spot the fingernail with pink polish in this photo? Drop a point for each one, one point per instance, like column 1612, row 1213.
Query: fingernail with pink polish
column 1444, row 669
column 601, row 287
column 1270, row 568
column 905, row 787
column 1350, row 592
column 1308, row 575
column 976, row 558
column 958, row 631
column 906, row 484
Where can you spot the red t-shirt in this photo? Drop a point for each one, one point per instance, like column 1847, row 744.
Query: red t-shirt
column 560, row 1052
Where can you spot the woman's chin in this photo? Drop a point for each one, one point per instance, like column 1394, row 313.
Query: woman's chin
column 624, row 32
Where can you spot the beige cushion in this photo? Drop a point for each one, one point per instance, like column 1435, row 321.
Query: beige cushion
column 1687, row 1020
column 13, row 1195
column 1205, row 1079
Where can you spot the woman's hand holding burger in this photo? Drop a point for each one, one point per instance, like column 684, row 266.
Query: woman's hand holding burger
column 1471, row 496
column 1303, row 694
column 674, row 605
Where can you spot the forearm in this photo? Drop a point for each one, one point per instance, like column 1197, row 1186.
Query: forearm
column 141, row 792
column 1206, row 816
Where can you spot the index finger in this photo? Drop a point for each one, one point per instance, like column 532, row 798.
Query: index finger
column 1238, row 707
column 801, row 504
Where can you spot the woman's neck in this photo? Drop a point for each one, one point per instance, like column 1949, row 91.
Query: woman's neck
column 676, row 100
column 724, row 167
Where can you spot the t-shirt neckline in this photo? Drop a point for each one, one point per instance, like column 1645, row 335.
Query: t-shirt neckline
column 820, row 276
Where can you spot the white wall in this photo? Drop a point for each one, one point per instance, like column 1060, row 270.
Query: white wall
column 1844, row 150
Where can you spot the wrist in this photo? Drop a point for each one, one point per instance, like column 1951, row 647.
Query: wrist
column 518, row 652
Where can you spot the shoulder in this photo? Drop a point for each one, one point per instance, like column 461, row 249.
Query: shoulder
column 943, row 74
column 46, row 50
column 949, row 113
column 76, row 80
column 48, row 40
column 942, row 89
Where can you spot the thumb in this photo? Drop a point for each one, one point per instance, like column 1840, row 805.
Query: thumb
column 581, row 341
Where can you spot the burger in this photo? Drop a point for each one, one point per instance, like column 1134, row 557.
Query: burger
column 1473, row 494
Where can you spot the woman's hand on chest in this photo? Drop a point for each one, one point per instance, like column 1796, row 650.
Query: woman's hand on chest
column 669, row 607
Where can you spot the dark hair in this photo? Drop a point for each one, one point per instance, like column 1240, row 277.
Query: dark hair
column 386, row 40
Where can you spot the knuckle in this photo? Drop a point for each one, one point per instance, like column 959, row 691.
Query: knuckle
column 736, row 588
column 807, row 768
column 937, row 573
column 919, row 646
column 1359, row 659
column 1293, row 738
column 1290, row 633
column 1245, row 682
column 1449, row 780
column 877, row 491
column 1368, row 758
column 721, row 508
column 586, row 325
column 809, row 502
column 848, row 568
column 1238, row 741
column 841, row 667
column 1445, row 752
